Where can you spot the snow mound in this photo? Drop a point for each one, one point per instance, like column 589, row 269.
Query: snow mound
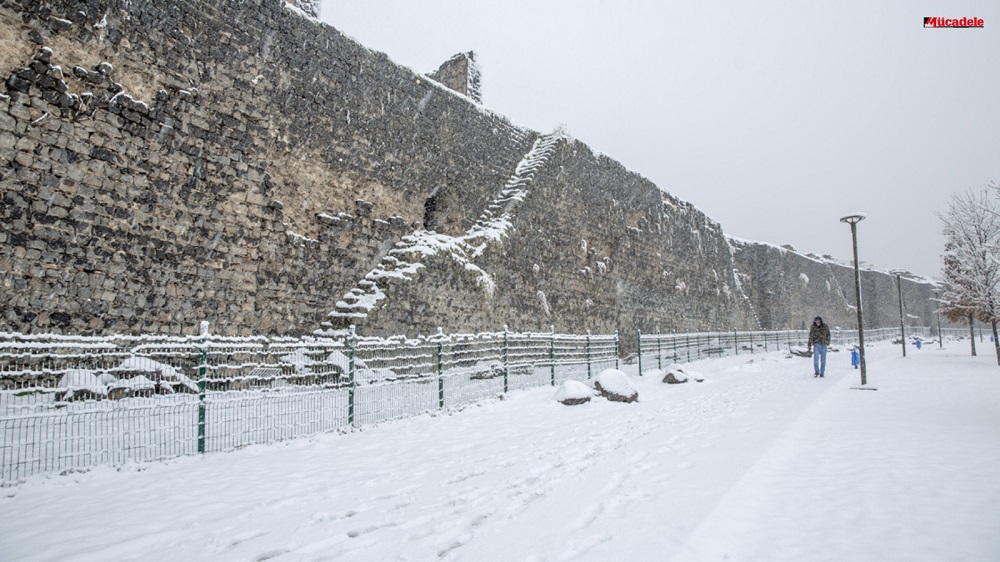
column 675, row 377
column 653, row 373
column 572, row 393
column 676, row 374
column 616, row 386
column 800, row 351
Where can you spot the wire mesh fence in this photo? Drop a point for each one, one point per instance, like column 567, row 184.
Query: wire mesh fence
column 659, row 351
column 71, row 403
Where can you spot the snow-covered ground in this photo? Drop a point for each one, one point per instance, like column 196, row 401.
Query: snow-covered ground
column 759, row 462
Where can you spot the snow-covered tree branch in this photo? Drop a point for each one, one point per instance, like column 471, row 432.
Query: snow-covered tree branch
column 971, row 269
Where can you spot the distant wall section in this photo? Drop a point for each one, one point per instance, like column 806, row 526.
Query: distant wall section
column 788, row 289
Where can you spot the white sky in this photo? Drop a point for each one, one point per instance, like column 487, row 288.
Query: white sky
column 774, row 118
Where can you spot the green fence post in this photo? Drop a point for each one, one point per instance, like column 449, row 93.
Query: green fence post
column 552, row 354
column 616, row 348
column 202, row 385
column 440, row 370
column 687, row 346
column 351, row 383
column 659, row 354
column 638, row 335
column 505, row 359
column 736, row 342
column 588, row 355
column 751, row 342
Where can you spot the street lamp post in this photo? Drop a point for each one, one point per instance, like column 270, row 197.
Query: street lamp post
column 853, row 220
column 902, row 325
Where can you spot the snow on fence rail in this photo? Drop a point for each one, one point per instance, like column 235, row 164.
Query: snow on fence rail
column 71, row 403
column 657, row 351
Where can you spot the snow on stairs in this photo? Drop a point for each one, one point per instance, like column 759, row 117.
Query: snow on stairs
column 403, row 261
column 495, row 220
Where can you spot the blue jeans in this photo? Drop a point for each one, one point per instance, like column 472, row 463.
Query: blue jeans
column 819, row 358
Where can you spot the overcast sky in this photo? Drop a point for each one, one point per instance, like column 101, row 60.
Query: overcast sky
column 774, row 118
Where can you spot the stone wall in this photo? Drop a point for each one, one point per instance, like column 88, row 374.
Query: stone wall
column 788, row 289
column 592, row 247
column 461, row 74
column 238, row 162
column 164, row 163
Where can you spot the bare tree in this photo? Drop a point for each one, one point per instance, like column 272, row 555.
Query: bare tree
column 971, row 268
column 956, row 305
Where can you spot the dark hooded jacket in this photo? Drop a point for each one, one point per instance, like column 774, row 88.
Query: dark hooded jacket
column 819, row 334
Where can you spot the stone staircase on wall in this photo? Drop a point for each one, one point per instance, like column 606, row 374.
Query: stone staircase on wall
column 405, row 260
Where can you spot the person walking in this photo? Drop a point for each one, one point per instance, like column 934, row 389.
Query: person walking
column 819, row 339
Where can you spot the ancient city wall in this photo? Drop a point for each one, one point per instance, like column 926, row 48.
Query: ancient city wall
column 164, row 163
column 788, row 289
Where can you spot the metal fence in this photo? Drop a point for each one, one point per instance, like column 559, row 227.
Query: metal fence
column 658, row 351
column 70, row 403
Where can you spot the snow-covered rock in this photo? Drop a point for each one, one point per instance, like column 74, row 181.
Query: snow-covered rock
column 800, row 351
column 572, row 393
column 676, row 374
column 616, row 386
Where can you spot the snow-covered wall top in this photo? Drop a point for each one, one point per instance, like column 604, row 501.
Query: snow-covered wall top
column 239, row 162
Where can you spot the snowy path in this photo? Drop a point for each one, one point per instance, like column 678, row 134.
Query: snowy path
column 758, row 462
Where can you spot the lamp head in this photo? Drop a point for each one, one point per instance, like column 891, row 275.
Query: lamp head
column 853, row 218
